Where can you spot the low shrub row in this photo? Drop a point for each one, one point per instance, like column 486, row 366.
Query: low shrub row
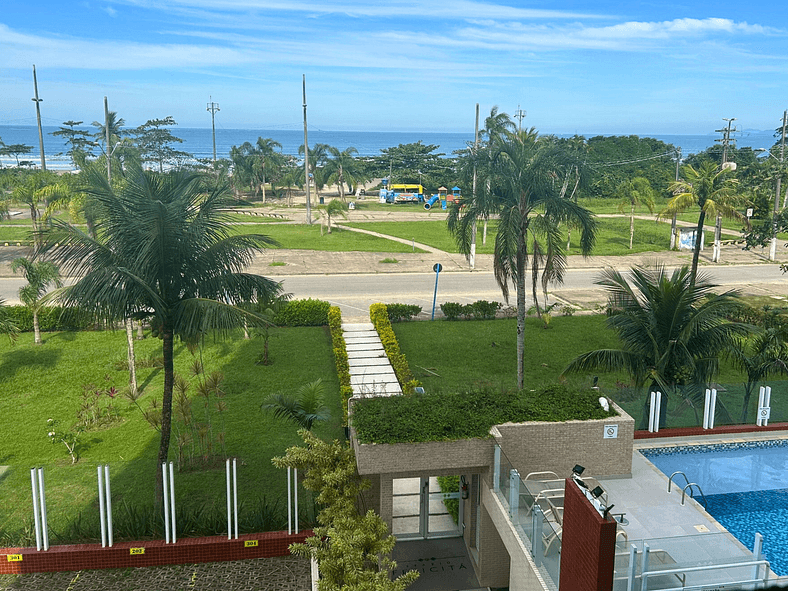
column 478, row 310
column 378, row 314
column 340, row 356
column 400, row 312
column 307, row 312
column 448, row 416
column 54, row 318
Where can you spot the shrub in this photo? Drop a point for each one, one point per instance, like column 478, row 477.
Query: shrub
column 400, row 312
column 340, row 356
column 307, row 312
column 459, row 415
column 50, row 318
column 451, row 310
column 484, row 310
column 378, row 313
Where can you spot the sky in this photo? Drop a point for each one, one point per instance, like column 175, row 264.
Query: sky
column 609, row 66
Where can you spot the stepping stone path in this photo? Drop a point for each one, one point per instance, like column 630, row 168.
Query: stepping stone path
column 371, row 373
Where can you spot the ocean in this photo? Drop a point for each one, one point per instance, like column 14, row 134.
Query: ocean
column 198, row 141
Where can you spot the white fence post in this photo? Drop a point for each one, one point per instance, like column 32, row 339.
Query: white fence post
column 764, row 406
column 289, row 507
column 109, row 504
column 42, row 498
column 166, row 497
column 709, row 408
column 295, row 496
column 235, row 496
column 172, row 501
column 229, row 503
column 102, row 512
column 654, row 411
column 36, row 516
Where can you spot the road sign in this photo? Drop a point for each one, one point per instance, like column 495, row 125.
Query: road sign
column 437, row 267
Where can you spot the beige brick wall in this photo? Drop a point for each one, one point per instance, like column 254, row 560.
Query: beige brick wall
column 534, row 446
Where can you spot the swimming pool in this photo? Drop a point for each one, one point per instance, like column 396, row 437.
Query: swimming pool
column 746, row 488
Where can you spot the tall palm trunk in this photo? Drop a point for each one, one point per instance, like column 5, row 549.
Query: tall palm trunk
column 631, row 225
column 698, row 243
column 132, row 360
column 522, row 255
column 166, row 409
column 36, row 328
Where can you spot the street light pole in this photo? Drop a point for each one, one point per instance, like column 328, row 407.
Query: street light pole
column 37, row 100
column 213, row 107
column 773, row 245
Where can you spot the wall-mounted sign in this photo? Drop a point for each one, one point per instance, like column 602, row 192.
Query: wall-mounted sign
column 14, row 558
column 136, row 550
column 611, row 432
column 250, row 543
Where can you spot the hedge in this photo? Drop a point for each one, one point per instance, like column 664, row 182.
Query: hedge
column 445, row 416
column 307, row 312
column 378, row 314
column 340, row 356
column 50, row 318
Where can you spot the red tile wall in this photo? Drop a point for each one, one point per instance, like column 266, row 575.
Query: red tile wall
column 688, row 431
column 588, row 545
column 184, row 551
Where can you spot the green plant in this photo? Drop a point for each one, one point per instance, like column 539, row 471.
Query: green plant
column 484, row 310
column 307, row 312
column 68, row 437
column 340, row 357
column 277, row 264
column 304, row 408
column 97, row 409
column 389, row 260
column 378, row 314
column 443, row 416
column 451, row 310
column 568, row 310
column 451, row 484
column 400, row 312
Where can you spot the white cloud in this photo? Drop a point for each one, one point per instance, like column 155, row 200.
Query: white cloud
column 111, row 11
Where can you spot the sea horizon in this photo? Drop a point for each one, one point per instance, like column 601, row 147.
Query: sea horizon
column 198, row 141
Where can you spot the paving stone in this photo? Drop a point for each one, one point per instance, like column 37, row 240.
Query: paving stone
column 378, row 354
column 365, row 347
column 367, row 362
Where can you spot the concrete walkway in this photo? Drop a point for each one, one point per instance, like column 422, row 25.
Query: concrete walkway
column 371, row 373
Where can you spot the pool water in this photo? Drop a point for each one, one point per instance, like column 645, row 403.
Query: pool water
column 745, row 489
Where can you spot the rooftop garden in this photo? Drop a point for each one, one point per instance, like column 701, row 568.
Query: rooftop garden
column 468, row 413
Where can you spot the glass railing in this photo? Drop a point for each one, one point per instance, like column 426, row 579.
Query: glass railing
column 684, row 406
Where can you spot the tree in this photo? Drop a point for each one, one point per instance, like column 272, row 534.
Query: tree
column 269, row 161
column 343, row 168
column 707, row 188
column 672, row 328
column 352, row 550
column 526, row 180
column 155, row 143
column 165, row 252
column 37, row 187
column 334, row 208
column 7, row 327
column 115, row 125
column 77, row 140
column 40, row 275
column 305, row 408
column 243, row 173
column 15, row 150
column 413, row 163
column 318, row 155
column 633, row 193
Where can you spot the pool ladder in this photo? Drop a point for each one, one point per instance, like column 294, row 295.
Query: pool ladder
column 689, row 486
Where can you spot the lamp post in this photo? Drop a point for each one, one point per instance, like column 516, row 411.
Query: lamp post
column 773, row 243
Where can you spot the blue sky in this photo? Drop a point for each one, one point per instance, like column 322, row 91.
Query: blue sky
column 588, row 67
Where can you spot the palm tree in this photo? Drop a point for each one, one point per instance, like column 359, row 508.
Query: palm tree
column 7, row 327
column 115, row 125
column 334, row 208
column 318, row 155
column 40, row 275
column 633, row 193
column 164, row 251
column 41, row 186
column 523, row 184
column 707, row 188
column 342, row 168
column 672, row 328
column 268, row 159
column 305, row 408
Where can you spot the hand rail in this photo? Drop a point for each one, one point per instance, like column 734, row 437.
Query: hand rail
column 670, row 480
column 700, row 490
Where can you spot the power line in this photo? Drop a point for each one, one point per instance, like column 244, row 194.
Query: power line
column 632, row 161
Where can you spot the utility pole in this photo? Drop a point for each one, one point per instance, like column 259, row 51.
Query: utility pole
column 306, row 157
column 520, row 114
column 472, row 257
column 107, row 136
column 37, row 100
column 212, row 108
column 773, row 245
column 673, row 221
column 726, row 141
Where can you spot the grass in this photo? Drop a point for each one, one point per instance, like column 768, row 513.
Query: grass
column 306, row 237
column 388, row 260
column 483, row 354
column 46, row 382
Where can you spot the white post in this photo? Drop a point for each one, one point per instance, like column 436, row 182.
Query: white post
column 42, row 497
column 165, row 490
column 756, row 554
column 644, row 567
column 295, row 496
column 102, row 513
column 109, row 504
column 235, row 497
column 712, row 407
column 706, row 405
column 289, row 508
column 497, row 469
column 172, row 501
column 36, row 516
column 651, row 408
column 767, row 399
column 658, row 411
column 229, row 503
column 761, row 393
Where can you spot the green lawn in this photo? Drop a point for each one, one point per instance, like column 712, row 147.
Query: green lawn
column 484, row 353
column 38, row 383
column 305, row 237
